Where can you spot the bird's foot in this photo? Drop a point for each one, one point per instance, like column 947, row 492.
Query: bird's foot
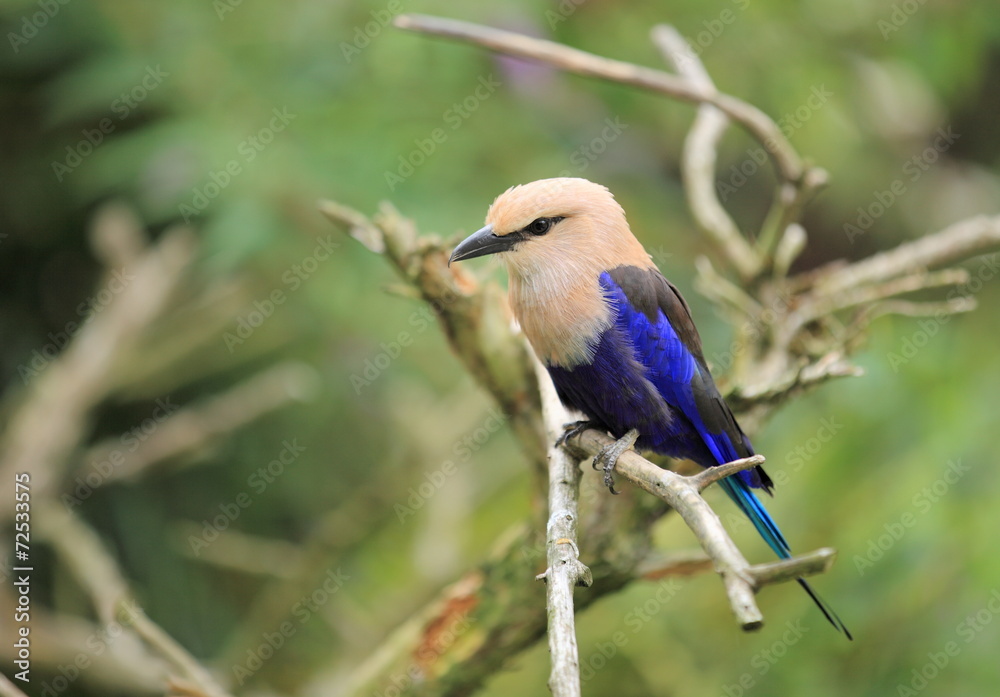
column 575, row 428
column 608, row 457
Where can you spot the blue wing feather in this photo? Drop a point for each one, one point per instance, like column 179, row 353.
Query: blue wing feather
column 672, row 367
column 648, row 373
column 676, row 373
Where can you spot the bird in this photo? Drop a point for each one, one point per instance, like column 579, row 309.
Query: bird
column 616, row 337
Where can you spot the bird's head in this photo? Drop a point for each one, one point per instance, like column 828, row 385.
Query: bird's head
column 554, row 222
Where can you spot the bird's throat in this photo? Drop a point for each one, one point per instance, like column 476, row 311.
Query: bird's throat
column 563, row 315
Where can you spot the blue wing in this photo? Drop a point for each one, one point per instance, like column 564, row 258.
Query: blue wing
column 654, row 319
column 651, row 313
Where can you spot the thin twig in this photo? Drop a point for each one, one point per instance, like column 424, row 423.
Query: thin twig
column 790, row 246
column 699, row 157
column 714, row 286
column 710, row 476
column 956, row 242
column 573, row 60
column 683, row 495
column 906, row 308
column 97, row 572
column 818, row 561
column 194, row 427
column 358, row 225
column 238, row 551
column 471, row 316
column 827, row 304
column 685, row 563
column 565, row 570
column 786, row 209
column 52, row 422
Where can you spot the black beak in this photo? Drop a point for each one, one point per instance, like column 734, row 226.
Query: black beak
column 481, row 243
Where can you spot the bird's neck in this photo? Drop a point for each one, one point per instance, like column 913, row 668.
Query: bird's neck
column 562, row 312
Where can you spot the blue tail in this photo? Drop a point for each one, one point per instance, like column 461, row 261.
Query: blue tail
column 739, row 491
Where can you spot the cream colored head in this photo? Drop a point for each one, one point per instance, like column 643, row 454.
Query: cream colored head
column 557, row 236
column 589, row 230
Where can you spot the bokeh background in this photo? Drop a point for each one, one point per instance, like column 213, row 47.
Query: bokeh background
column 309, row 99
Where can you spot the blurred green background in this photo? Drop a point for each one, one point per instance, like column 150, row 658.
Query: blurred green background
column 238, row 116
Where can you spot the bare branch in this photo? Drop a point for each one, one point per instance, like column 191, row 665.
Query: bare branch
column 658, row 565
column 788, row 249
column 816, row 562
column 956, row 242
column 710, row 476
column 238, row 551
column 499, row 598
column 565, row 570
column 98, row 574
column 924, row 309
column 195, row 427
column 474, row 318
column 699, row 157
column 724, row 292
column 828, row 303
column 755, row 121
column 51, row 423
column 786, row 209
column 683, row 495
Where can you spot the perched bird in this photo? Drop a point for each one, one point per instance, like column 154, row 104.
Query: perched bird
column 615, row 335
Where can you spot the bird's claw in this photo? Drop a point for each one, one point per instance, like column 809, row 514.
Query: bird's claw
column 609, row 481
column 574, row 428
column 607, row 458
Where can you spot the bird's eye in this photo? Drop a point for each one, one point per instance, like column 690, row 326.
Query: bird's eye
column 540, row 226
